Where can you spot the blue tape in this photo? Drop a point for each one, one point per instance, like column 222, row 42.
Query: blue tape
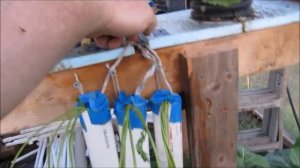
column 162, row 95
column 97, row 105
column 139, row 102
column 81, row 120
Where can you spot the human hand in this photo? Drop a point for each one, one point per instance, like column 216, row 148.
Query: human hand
column 118, row 19
column 45, row 31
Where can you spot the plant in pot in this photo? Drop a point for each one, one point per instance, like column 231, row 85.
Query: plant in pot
column 222, row 9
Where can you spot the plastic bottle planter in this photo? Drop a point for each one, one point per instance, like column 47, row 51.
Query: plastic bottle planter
column 167, row 127
column 98, row 130
column 136, row 138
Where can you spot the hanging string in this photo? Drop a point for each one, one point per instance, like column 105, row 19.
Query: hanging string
column 160, row 68
column 112, row 71
column 157, row 81
column 113, row 75
column 148, row 53
column 148, row 74
column 155, row 68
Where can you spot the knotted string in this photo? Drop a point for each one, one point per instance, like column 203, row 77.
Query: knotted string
column 148, row 53
column 155, row 68
column 160, row 68
column 114, row 77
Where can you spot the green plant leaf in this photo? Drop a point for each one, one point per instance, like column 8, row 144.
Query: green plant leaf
column 123, row 139
column 139, row 146
column 289, row 158
column 224, row 3
column 52, row 137
column 61, row 145
column 71, row 114
column 295, row 154
column 250, row 160
column 276, row 161
column 164, row 117
column 71, row 143
column 140, row 116
column 131, row 143
column 240, row 157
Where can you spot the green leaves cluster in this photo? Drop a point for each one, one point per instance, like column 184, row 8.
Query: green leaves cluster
column 224, row 3
column 125, row 129
column 251, row 160
column 295, row 154
column 288, row 158
column 70, row 115
column 126, row 124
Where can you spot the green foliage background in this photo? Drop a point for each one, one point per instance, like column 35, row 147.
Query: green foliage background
column 288, row 158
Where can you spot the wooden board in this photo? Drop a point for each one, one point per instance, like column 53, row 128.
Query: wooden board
column 259, row 51
column 212, row 111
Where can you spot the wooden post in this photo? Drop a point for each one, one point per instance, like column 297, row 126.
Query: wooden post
column 212, row 108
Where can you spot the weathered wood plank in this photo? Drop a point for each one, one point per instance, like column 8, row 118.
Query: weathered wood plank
column 245, row 134
column 259, row 51
column 265, row 147
column 267, row 97
column 287, row 138
column 266, row 120
column 257, row 141
column 185, row 142
column 274, row 125
column 213, row 92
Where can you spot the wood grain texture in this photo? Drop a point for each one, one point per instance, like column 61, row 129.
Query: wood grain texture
column 213, row 96
column 258, row 51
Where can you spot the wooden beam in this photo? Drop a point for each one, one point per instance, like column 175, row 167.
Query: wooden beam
column 213, row 105
column 259, row 51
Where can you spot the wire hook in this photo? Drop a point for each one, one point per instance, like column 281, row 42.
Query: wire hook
column 77, row 84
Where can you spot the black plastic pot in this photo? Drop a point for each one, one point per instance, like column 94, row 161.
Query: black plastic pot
column 204, row 11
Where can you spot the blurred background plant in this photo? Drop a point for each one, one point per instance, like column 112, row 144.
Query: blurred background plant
column 288, row 158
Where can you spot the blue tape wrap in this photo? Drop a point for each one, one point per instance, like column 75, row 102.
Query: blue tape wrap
column 82, row 122
column 162, row 95
column 97, row 105
column 139, row 102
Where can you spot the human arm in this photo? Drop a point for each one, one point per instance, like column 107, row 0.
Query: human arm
column 36, row 34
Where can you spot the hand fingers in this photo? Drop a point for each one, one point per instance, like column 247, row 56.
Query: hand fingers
column 150, row 28
column 101, row 41
column 108, row 41
column 114, row 42
column 134, row 38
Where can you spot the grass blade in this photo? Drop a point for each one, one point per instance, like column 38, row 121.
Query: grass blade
column 132, row 144
column 123, row 139
column 140, row 116
column 68, row 115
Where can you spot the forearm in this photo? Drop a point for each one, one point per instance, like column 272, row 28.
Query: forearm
column 27, row 52
column 36, row 34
